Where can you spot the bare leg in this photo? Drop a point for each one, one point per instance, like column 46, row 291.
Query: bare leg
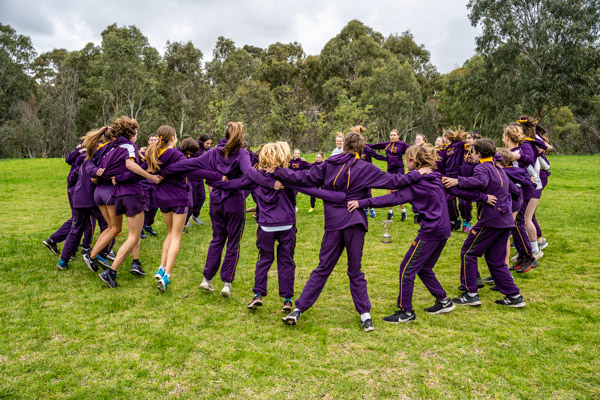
column 178, row 223
column 168, row 218
column 135, row 225
column 529, row 225
column 115, row 224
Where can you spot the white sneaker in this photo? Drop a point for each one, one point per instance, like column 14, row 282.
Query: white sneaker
column 189, row 225
column 296, row 210
column 538, row 255
column 207, row 285
column 514, row 258
column 226, row 290
column 543, row 244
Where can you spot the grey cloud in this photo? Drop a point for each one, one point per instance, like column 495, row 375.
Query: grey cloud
column 441, row 25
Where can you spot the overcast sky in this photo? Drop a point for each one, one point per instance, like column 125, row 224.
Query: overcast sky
column 441, row 25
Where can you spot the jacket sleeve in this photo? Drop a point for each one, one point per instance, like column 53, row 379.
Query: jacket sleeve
column 376, row 178
column 479, row 180
column 401, row 196
column 379, row 146
column 244, row 183
column 72, row 156
column 312, row 177
column 468, row 194
column 328, row 195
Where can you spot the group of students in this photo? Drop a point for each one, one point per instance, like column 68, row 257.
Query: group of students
column 114, row 179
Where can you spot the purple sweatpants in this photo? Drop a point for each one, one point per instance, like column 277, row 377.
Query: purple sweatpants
column 228, row 219
column 537, row 226
column 519, row 235
column 420, row 260
column 149, row 197
column 490, row 243
column 199, row 197
column 334, row 242
column 466, row 209
column 286, row 269
column 61, row 234
column 82, row 218
column 452, row 209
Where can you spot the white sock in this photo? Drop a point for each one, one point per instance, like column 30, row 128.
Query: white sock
column 365, row 316
column 390, row 211
column 404, row 210
column 168, row 276
column 534, row 247
column 296, row 310
column 472, row 294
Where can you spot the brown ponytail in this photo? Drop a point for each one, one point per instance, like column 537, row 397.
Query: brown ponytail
column 514, row 134
column 234, row 133
column 528, row 124
column 165, row 135
column 423, row 156
column 91, row 140
column 455, row 136
column 354, row 142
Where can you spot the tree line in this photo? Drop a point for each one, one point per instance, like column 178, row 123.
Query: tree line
column 540, row 58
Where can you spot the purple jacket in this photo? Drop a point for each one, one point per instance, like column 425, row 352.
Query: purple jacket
column 114, row 163
column 528, row 154
column 490, row 178
column 345, row 173
column 454, row 159
column 277, row 207
column 440, row 156
column 234, row 166
column 519, row 177
column 83, row 194
column 393, row 152
column 173, row 190
column 74, row 160
column 428, row 198
column 468, row 164
column 298, row 164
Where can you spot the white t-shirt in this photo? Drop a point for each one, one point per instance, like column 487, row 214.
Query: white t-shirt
column 337, row 151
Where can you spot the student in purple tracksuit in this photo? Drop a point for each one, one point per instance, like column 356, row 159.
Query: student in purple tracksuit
column 122, row 158
column 452, row 161
column 489, row 235
column 440, row 154
column 61, row 234
column 542, row 143
column 394, row 150
column 198, row 188
column 428, row 197
column 319, row 158
column 276, row 222
column 85, row 211
column 514, row 141
column 298, row 164
column 227, row 208
column 149, row 187
column 172, row 197
column 529, row 159
column 345, row 172
column 521, row 180
column 466, row 168
column 368, row 155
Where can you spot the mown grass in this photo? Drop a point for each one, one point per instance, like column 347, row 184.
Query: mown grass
column 65, row 335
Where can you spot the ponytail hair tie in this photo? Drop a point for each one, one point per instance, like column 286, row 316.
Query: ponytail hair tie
column 160, row 140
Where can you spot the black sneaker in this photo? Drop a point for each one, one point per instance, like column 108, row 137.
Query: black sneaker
column 287, row 305
column 291, row 318
column 494, row 288
column 185, row 230
column 136, row 269
column 150, row 231
column 367, row 325
column 526, row 265
column 510, row 301
column 400, row 316
column 517, row 264
column 256, row 302
column 480, row 283
column 456, row 224
column 404, row 216
column 51, row 245
column 390, row 216
column 512, row 245
column 91, row 263
column 416, row 218
column 489, row 280
column 441, row 307
column 108, row 279
column 466, row 300
column 143, row 235
column 462, row 288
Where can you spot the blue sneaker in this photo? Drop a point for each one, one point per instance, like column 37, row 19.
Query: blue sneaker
column 108, row 279
column 104, row 263
column 373, row 213
column 163, row 283
column 136, row 269
column 143, row 235
column 62, row 264
column 160, row 273
column 366, row 212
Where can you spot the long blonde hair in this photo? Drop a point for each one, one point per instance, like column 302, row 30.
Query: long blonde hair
column 423, row 156
column 274, row 155
column 234, row 133
column 92, row 138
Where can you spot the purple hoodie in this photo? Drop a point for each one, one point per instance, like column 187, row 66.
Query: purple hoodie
column 490, row 178
column 369, row 154
column 298, row 164
column 235, row 166
column 393, row 152
column 346, row 173
column 454, row 159
column 114, row 162
column 468, row 164
column 428, row 198
column 277, row 207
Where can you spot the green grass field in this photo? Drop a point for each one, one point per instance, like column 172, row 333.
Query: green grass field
column 65, row 335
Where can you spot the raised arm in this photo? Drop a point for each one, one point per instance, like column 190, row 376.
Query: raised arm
column 379, row 146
